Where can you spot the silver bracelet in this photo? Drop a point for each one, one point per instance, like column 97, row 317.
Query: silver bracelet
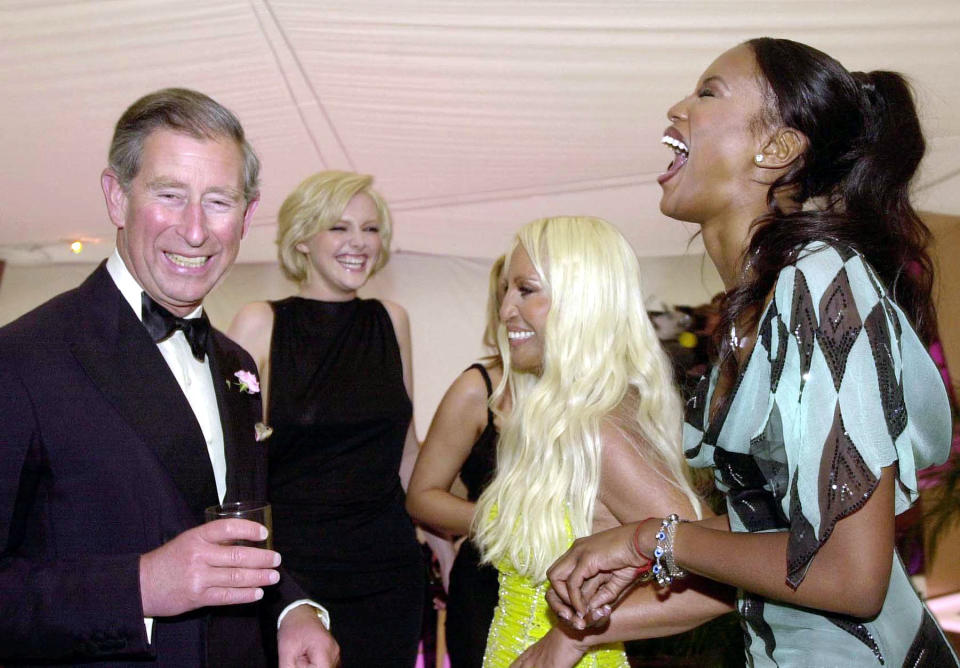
column 665, row 568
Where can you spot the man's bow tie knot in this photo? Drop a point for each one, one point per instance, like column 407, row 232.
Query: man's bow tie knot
column 161, row 324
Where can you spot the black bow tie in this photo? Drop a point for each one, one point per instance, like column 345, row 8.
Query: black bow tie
column 161, row 324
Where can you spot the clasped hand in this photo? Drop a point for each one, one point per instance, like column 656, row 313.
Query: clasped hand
column 198, row 568
column 593, row 575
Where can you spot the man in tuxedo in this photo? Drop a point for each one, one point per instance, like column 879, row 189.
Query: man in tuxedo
column 122, row 417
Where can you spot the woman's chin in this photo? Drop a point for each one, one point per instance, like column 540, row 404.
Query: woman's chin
column 524, row 364
column 671, row 210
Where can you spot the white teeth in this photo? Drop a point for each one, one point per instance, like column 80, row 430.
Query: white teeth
column 184, row 261
column 514, row 335
column 352, row 263
column 675, row 144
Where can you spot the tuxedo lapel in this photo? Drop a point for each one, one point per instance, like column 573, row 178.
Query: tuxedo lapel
column 125, row 364
column 239, row 411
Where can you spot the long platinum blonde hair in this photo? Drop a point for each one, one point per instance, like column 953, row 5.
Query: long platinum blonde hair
column 602, row 363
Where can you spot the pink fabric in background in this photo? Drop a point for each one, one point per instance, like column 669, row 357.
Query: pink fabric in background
column 422, row 663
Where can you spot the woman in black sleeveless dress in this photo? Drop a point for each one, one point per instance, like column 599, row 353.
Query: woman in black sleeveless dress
column 335, row 372
column 463, row 439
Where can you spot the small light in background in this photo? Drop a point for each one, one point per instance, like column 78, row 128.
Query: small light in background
column 76, row 247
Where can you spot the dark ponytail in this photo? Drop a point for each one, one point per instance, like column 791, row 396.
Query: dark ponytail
column 878, row 188
column 864, row 147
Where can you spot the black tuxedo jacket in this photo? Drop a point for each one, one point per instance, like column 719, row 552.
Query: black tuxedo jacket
column 102, row 460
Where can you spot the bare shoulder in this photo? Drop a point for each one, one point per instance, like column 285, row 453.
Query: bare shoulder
column 494, row 369
column 401, row 330
column 401, row 324
column 622, row 457
column 630, row 484
column 252, row 328
column 460, row 417
column 253, row 315
column 468, row 388
column 398, row 314
column 618, row 446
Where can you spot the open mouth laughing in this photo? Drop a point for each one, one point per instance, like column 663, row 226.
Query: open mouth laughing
column 185, row 261
column 675, row 141
column 352, row 262
column 519, row 335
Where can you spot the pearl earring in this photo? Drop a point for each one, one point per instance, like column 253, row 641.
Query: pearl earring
column 758, row 158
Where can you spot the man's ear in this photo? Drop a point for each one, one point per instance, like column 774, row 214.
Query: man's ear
column 248, row 214
column 783, row 149
column 115, row 197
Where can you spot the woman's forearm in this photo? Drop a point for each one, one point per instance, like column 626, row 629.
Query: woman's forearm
column 849, row 573
column 650, row 612
column 441, row 510
column 757, row 562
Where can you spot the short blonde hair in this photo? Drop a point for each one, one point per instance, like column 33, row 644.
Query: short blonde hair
column 318, row 204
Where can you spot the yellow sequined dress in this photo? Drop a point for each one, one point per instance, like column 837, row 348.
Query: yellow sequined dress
column 522, row 617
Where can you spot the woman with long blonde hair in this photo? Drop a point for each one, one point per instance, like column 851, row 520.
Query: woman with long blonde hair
column 593, row 439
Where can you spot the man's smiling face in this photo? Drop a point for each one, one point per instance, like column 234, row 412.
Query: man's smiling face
column 182, row 217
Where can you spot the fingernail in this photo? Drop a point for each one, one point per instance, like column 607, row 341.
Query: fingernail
column 274, row 577
column 563, row 614
column 263, row 532
column 258, row 594
column 276, row 559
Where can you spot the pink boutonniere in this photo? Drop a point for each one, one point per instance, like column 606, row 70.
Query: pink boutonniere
column 246, row 382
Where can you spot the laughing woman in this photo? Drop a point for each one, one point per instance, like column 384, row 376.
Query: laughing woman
column 824, row 403
column 336, row 380
column 592, row 441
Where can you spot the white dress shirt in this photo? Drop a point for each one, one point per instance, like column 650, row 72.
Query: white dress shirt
column 194, row 377
column 197, row 384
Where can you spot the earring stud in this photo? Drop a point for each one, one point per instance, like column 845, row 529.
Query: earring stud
column 758, row 158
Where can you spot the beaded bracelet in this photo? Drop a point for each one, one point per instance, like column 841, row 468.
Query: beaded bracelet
column 669, row 557
column 665, row 568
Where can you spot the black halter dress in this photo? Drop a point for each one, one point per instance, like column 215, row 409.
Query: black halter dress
column 340, row 413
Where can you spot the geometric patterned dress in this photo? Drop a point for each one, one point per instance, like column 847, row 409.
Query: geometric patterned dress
column 837, row 387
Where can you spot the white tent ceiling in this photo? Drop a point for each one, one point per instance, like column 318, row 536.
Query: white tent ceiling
column 474, row 117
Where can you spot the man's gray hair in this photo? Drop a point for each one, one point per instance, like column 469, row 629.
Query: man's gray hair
column 179, row 110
